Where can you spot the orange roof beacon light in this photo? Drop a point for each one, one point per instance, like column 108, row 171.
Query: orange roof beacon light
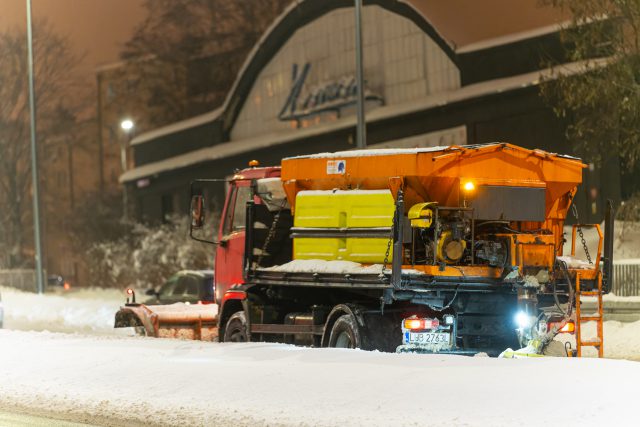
column 131, row 292
column 468, row 188
column 254, row 163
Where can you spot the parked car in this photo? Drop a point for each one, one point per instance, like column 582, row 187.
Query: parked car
column 55, row 281
column 188, row 286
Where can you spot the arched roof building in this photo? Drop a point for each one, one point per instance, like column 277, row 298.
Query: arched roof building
column 295, row 93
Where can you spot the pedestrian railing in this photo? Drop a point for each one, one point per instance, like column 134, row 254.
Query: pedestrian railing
column 22, row 279
column 626, row 278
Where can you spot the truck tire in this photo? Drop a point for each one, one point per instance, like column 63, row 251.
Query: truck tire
column 345, row 333
column 236, row 329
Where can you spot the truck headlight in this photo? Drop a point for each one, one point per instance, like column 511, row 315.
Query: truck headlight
column 523, row 320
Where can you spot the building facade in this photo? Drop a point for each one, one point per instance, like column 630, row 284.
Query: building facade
column 296, row 95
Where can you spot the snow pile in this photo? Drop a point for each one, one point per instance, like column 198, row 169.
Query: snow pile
column 614, row 298
column 84, row 310
column 333, row 267
column 181, row 308
column 322, row 266
column 380, row 152
column 625, row 244
column 621, row 340
column 168, row 382
column 575, row 263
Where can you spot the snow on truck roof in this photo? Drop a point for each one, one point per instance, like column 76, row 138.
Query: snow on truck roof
column 417, row 150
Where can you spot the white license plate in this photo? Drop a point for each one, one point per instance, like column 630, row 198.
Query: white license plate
column 427, row 338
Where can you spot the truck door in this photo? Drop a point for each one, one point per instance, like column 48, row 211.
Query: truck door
column 230, row 252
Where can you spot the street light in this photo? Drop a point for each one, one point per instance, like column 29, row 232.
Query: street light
column 34, row 156
column 127, row 126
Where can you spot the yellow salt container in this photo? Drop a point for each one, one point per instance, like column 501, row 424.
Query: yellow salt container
column 336, row 212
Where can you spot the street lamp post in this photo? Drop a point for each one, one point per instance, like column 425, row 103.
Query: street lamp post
column 34, row 157
column 127, row 126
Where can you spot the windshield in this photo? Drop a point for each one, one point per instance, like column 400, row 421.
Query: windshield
column 167, row 288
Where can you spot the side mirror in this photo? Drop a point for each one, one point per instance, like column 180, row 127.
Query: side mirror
column 197, row 212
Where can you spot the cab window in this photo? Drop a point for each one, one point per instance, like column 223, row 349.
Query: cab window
column 236, row 215
column 243, row 195
column 228, row 216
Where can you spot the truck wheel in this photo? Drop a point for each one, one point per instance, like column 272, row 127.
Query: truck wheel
column 236, row 329
column 345, row 333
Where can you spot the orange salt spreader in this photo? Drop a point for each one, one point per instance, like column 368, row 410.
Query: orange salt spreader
column 490, row 214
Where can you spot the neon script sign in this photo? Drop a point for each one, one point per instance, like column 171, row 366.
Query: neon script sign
column 333, row 96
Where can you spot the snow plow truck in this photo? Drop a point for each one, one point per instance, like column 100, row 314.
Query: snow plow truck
column 454, row 250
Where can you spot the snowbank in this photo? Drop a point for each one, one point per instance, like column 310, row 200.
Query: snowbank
column 322, row 266
column 621, row 340
column 333, row 267
column 625, row 244
column 84, row 311
column 168, row 382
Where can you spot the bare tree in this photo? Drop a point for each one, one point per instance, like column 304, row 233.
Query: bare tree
column 54, row 61
column 192, row 51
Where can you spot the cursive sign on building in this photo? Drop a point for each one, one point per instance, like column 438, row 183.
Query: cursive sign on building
column 331, row 96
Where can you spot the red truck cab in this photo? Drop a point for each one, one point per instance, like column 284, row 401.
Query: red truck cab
column 231, row 234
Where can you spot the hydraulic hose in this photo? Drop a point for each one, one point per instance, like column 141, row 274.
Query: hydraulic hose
column 565, row 273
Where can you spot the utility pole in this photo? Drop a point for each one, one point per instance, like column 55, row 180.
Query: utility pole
column 127, row 126
column 34, row 157
column 361, row 135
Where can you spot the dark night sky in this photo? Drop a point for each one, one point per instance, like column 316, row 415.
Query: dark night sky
column 100, row 27
column 95, row 27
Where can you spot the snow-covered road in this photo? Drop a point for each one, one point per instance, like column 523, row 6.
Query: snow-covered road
column 168, row 382
column 97, row 377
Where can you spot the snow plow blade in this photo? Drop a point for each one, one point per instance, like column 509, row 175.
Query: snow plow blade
column 182, row 321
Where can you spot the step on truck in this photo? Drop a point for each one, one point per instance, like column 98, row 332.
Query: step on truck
column 437, row 250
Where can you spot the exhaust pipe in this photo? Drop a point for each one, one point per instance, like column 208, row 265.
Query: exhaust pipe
column 609, row 219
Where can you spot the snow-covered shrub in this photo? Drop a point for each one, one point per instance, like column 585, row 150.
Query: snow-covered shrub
column 148, row 255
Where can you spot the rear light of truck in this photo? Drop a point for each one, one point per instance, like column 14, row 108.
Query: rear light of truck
column 568, row 328
column 416, row 324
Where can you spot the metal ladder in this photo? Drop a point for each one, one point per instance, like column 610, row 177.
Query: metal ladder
column 597, row 342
